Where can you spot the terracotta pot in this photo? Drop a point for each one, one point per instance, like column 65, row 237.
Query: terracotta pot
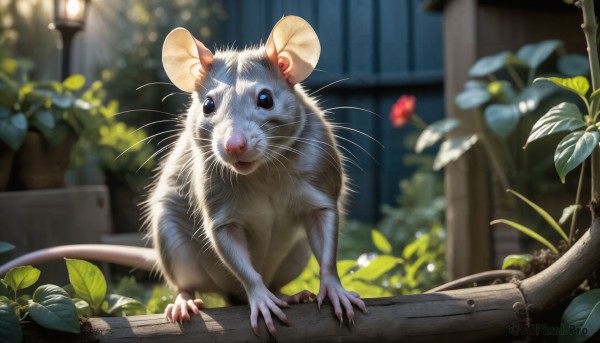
column 7, row 156
column 40, row 166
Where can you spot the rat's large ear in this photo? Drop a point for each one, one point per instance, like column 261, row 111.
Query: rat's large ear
column 294, row 47
column 183, row 56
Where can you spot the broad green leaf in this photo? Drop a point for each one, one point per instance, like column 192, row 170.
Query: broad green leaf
column 434, row 132
column 83, row 308
column 501, row 91
column 10, row 326
column 344, row 266
column 381, row 243
column 547, row 217
column 4, row 292
column 502, row 119
column 568, row 213
column 19, row 121
column 490, row 64
column 532, row 95
column 573, row 64
column 21, row 277
column 88, row 282
column 577, row 84
column 472, row 98
column 535, row 54
column 515, row 261
column 379, row 266
column 573, row 150
column 476, row 84
column 116, row 304
column 562, row 117
column 582, row 313
column 74, row 82
column 52, row 308
column 13, row 130
column 418, row 247
column 62, row 101
column 529, row 232
column 44, row 118
column 5, row 247
column 452, row 149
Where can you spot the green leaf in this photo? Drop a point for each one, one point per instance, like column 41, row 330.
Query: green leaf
column 532, row 95
column 52, row 308
column 21, row 277
column 490, row 64
column 10, row 326
column 535, row 54
column 119, row 303
column 5, row 247
column 578, row 84
column 472, row 98
column 88, row 282
column 529, row 232
column 562, row 117
column 568, row 213
column 573, row 150
column 502, row 119
column 74, row 82
column 44, row 118
column 62, row 101
column 583, row 313
column 573, row 65
column 13, row 130
column 547, row 217
column 452, row 149
column 381, row 243
column 378, row 266
column 515, row 261
column 344, row 266
column 434, row 132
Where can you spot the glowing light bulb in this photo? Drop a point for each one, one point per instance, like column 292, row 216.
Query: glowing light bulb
column 73, row 8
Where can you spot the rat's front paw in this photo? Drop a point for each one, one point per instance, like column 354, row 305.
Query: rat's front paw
column 338, row 296
column 179, row 310
column 263, row 302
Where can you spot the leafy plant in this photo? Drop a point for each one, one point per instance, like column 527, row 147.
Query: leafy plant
column 50, row 306
column 380, row 273
column 502, row 88
column 530, row 232
column 581, row 319
column 58, row 308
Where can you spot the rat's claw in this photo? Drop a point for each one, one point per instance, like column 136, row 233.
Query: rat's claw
column 263, row 302
column 339, row 298
column 179, row 310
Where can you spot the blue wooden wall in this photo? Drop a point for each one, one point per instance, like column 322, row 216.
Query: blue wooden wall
column 386, row 48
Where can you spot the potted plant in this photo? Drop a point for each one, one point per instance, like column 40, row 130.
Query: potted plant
column 57, row 117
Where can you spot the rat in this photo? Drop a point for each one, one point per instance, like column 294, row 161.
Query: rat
column 253, row 183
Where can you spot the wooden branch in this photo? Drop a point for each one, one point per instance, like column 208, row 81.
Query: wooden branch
column 472, row 314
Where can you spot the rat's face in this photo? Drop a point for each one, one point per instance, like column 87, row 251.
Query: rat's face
column 246, row 115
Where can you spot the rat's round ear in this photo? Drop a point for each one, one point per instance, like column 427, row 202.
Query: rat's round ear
column 183, row 56
column 294, row 47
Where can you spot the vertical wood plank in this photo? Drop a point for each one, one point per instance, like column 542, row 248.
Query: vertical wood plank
column 427, row 39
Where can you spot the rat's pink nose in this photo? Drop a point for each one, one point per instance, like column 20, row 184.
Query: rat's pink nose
column 236, row 144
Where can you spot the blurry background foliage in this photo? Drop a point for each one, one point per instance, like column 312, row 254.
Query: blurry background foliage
column 137, row 43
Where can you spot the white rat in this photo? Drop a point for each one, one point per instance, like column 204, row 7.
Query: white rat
column 254, row 180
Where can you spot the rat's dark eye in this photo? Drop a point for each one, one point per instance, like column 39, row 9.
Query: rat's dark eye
column 265, row 100
column 209, row 106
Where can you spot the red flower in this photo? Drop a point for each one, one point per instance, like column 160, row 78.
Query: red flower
column 402, row 110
